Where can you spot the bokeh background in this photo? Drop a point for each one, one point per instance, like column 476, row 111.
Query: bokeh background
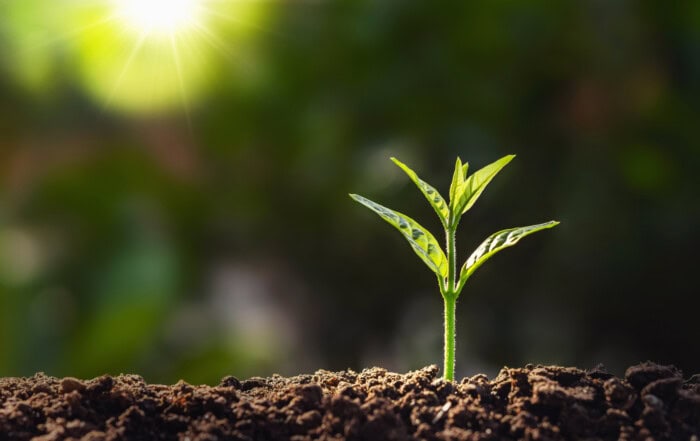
column 177, row 207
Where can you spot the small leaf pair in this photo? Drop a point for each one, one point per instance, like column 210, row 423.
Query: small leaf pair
column 464, row 191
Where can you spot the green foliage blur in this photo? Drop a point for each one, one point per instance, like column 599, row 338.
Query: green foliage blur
column 211, row 234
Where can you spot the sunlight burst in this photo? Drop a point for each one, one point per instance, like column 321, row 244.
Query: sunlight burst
column 159, row 16
column 142, row 57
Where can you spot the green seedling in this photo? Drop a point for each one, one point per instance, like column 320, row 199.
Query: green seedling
column 464, row 191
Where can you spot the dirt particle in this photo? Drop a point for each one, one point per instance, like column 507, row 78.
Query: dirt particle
column 643, row 374
column 253, row 383
column 311, row 394
column 230, row 381
column 653, row 402
column 619, row 394
column 70, row 384
column 309, row 419
column 665, row 388
column 100, row 385
column 95, row 435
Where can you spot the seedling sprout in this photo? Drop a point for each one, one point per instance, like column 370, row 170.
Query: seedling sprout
column 464, row 191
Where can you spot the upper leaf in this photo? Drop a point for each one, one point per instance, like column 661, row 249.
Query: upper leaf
column 430, row 193
column 497, row 242
column 457, row 184
column 422, row 242
column 475, row 185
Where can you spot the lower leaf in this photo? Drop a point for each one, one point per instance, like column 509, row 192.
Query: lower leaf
column 495, row 243
column 421, row 240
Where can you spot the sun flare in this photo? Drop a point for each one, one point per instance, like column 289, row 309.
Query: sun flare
column 140, row 57
column 158, row 16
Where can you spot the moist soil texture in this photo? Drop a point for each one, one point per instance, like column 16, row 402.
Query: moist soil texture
column 651, row 402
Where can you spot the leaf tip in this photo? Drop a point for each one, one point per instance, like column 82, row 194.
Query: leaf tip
column 397, row 162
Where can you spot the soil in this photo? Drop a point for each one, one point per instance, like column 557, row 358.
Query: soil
column 651, row 402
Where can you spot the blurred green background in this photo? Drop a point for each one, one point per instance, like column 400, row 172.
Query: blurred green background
column 174, row 203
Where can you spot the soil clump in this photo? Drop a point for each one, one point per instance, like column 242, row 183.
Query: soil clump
column 530, row 403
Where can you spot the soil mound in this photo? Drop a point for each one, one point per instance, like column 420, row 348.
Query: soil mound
column 531, row 403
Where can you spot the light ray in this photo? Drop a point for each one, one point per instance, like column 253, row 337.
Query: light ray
column 72, row 34
column 134, row 51
column 214, row 41
column 228, row 17
column 180, row 79
column 218, row 44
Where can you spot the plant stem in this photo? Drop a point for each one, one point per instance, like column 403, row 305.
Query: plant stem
column 450, row 336
column 451, row 260
column 449, row 295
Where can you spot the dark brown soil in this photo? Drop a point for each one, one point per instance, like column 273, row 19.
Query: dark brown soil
column 535, row 402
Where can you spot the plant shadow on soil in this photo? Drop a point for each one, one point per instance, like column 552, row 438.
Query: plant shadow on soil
column 532, row 403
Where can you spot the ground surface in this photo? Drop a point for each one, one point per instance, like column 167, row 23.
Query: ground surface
column 538, row 403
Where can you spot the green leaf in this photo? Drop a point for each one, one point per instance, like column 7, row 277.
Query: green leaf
column 457, row 182
column 430, row 193
column 476, row 183
column 497, row 242
column 422, row 242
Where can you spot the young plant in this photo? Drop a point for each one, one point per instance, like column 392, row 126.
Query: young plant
column 464, row 191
